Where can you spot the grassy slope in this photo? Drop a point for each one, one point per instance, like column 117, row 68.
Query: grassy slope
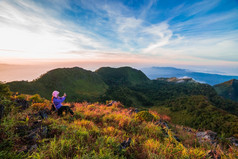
column 96, row 131
column 78, row 83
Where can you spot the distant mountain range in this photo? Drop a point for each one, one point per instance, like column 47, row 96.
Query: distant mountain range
column 168, row 72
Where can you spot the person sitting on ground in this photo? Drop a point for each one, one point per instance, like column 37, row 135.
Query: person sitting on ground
column 57, row 103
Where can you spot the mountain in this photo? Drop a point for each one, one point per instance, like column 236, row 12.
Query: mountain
column 149, row 93
column 228, row 89
column 125, row 84
column 160, row 91
column 168, row 72
column 122, row 76
column 198, row 112
column 120, row 81
column 182, row 96
column 79, row 84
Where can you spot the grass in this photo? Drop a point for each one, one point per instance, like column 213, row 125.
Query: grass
column 96, row 131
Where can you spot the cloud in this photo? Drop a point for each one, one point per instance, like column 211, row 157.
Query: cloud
column 144, row 11
column 35, row 33
column 201, row 7
column 93, row 29
column 135, row 34
column 162, row 35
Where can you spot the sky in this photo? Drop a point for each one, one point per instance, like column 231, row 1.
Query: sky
column 38, row 35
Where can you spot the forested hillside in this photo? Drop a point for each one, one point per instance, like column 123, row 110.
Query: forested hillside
column 202, row 107
column 228, row 89
column 198, row 112
column 79, row 84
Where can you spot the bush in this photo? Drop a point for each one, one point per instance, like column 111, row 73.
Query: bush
column 144, row 116
column 39, row 106
column 21, row 97
column 36, row 99
column 4, row 91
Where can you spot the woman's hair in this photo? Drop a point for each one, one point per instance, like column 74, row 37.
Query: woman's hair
column 55, row 93
column 52, row 99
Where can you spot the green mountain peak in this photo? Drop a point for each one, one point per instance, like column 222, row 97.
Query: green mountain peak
column 122, row 76
column 228, row 89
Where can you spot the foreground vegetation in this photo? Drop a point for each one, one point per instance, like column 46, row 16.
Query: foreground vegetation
column 96, row 131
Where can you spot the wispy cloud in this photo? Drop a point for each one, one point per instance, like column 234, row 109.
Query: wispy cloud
column 30, row 29
column 201, row 7
column 186, row 32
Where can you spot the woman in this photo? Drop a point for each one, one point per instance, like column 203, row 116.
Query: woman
column 57, row 103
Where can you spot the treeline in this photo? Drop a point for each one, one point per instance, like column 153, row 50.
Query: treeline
column 157, row 92
column 199, row 113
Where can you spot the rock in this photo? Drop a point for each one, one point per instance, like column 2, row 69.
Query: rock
column 110, row 104
column 125, row 143
column 177, row 139
column 166, row 125
column 164, row 132
column 187, row 129
column 162, row 123
column 35, row 134
column 43, row 114
column 33, row 147
column 233, row 140
column 134, row 110
column 207, row 136
column 213, row 154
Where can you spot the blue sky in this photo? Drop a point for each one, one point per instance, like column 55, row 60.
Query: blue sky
column 181, row 33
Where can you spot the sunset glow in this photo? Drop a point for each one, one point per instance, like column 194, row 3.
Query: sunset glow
column 47, row 34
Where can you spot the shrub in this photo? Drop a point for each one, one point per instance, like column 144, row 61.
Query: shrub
column 36, row 99
column 91, row 107
column 144, row 116
column 153, row 131
column 39, row 106
column 4, row 91
column 21, row 97
column 152, row 145
column 85, row 123
column 112, row 131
